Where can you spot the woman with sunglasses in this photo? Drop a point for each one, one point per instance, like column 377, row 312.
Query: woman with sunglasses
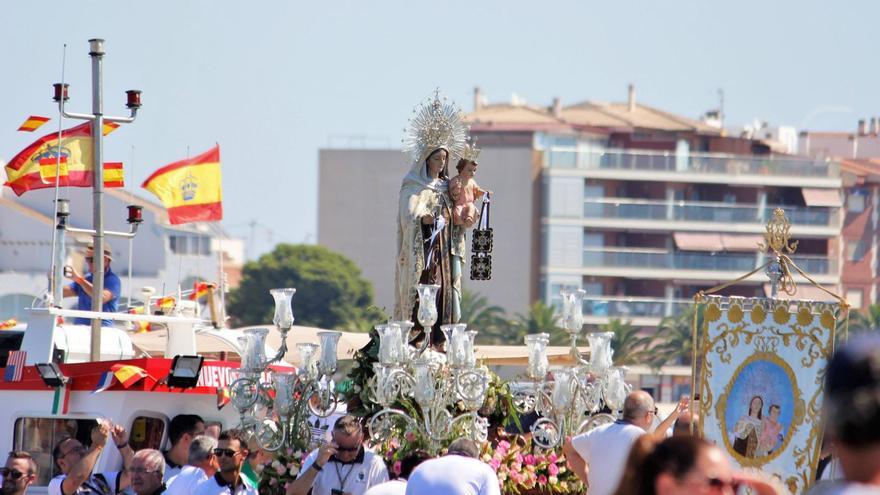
column 685, row 466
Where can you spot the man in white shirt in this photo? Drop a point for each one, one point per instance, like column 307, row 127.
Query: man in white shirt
column 398, row 486
column 459, row 472
column 231, row 454
column 201, row 466
column 181, row 430
column 598, row 456
column 341, row 467
column 76, row 464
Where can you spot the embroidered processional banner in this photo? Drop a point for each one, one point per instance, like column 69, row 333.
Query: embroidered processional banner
column 762, row 362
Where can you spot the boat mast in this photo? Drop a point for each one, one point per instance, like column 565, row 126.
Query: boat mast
column 96, row 52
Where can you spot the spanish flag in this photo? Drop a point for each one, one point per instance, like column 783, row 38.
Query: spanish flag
column 127, row 374
column 200, row 289
column 190, row 189
column 33, row 123
column 34, row 167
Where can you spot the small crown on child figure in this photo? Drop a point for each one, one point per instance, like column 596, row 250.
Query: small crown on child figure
column 471, row 152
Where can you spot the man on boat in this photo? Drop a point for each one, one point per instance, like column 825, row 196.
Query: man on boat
column 146, row 472
column 82, row 286
column 76, row 464
column 231, row 454
column 201, row 466
column 19, row 473
column 342, row 466
column 182, row 429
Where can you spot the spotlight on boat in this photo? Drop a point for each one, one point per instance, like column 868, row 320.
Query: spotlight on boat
column 185, row 371
column 135, row 214
column 133, row 99
column 52, row 375
column 60, row 92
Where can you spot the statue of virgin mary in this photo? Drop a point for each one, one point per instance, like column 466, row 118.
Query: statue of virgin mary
column 429, row 247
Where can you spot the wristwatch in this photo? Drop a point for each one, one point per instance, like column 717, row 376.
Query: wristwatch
column 317, row 466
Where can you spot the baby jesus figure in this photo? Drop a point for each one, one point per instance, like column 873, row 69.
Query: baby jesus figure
column 464, row 191
column 771, row 432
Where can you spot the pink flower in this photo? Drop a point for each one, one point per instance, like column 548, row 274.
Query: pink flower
column 542, row 480
column 396, row 468
column 494, row 463
column 553, row 469
column 553, row 457
column 529, row 460
column 541, row 458
column 409, row 436
column 518, row 458
column 273, row 481
column 281, row 469
column 504, row 444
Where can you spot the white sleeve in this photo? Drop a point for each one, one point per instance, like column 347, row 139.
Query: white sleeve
column 491, row 485
column 378, row 472
column 55, row 485
column 307, row 463
column 582, row 444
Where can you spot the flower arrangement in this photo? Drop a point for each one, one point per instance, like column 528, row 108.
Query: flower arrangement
column 520, row 470
column 282, row 469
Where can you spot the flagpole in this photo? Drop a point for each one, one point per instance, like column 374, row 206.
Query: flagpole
column 130, row 240
column 57, row 287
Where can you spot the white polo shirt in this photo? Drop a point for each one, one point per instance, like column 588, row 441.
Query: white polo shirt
column 105, row 484
column 606, row 449
column 453, row 475
column 367, row 470
column 186, row 482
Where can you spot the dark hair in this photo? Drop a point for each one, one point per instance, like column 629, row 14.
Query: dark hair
column 676, row 456
column 772, row 407
column 852, row 388
column 444, row 173
column 20, row 454
column 182, row 424
column 56, row 451
column 464, row 447
column 760, row 411
column 411, row 461
column 461, row 164
column 235, row 435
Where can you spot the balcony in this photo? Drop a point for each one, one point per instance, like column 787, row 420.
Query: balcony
column 700, row 167
column 661, row 264
column 710, row 212
column 640, row 311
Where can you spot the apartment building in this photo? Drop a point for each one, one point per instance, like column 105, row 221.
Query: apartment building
column 640, row 207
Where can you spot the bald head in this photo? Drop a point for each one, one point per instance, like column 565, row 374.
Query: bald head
column 638, row 409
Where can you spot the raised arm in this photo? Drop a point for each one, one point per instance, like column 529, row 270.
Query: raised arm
column 81, row 471
column 661, row 431
column 120, row 438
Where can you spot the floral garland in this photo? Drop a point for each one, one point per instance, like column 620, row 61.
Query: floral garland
column 519, row 470
column 277, row 474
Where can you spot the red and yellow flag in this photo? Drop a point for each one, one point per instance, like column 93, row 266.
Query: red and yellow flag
column 34, row 167
column 127, row 374
column 190, row 189
column 33, row 123
column 200, row 290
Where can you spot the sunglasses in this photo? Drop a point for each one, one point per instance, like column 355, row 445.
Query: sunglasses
column 11, row 473
column 347, row 449
column 226, row 452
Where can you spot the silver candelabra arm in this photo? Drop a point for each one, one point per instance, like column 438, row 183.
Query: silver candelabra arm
column 385, row 423
column 575, row 353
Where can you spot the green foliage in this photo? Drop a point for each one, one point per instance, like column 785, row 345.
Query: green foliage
column 629, row 346
column 675, row 338
column 541, row 318
column 867, row 320
column 330, row 290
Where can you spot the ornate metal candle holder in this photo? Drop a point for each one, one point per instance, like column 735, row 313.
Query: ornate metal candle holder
column 568, row 405
column 427, row 384
column 274, row 405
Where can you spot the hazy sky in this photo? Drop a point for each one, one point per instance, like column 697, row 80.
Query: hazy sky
column 274, row 81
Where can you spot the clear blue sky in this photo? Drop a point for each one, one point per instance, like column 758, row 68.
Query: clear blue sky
column 274, row 81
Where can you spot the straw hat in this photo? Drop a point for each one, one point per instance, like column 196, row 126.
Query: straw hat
column 108, row 252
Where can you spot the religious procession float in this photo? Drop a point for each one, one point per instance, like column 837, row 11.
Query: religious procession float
column 419, row 382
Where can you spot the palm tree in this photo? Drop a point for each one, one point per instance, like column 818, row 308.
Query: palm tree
column 859, row 322
column 675, row 338
column 629, row 347
column 491, row 321
column 541, row 318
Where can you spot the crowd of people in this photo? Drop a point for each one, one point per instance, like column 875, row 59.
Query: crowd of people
column 627, row 457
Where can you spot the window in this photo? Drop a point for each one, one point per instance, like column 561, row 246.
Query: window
column 190, row 244
column 854, row 297
column 855, row 200
column 15, row 306
column 38, row 436
column 146, row 433
column 856, row 250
